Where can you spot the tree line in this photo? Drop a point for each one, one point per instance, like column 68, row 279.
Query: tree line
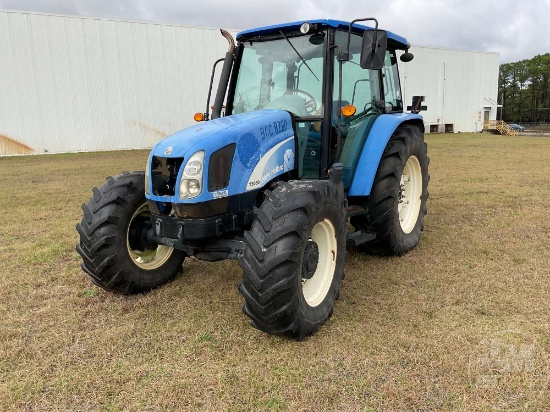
column 524, row 90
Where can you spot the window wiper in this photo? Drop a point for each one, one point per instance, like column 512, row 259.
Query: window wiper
column 298, row 53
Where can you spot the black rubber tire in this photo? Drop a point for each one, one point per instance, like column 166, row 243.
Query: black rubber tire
column 272, row 262
column 382, row 217
column 104, row 232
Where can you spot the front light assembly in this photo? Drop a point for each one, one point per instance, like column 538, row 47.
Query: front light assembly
column 191, row 177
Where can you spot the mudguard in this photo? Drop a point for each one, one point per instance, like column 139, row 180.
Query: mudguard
column 378, row 138
column 265, row 149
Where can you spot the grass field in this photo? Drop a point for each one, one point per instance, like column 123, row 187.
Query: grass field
column 459, row 323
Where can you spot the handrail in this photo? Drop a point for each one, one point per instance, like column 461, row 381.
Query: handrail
column 501, row 126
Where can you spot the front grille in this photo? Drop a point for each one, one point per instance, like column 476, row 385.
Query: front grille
column 219, row 168
column 164, row 172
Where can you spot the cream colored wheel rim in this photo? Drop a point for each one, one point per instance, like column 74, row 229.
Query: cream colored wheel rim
column 147, row 259
column 410, row 194
column 316, row 288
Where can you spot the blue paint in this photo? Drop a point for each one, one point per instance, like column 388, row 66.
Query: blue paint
column 278, row 160
column 255, row 134
column 248, row 150
column 378, row 138
column 337, row 24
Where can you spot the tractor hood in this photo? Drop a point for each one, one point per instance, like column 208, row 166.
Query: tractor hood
column 242, row 152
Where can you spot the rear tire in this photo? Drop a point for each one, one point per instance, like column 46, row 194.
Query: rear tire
column 112, row 251
column 397, row 202
column 294, row 260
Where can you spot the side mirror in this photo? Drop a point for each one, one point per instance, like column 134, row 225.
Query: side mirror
column 373, row 50
column 406, row 57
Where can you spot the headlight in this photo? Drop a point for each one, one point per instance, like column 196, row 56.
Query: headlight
column 194, row 187
column 193, row 168
column 191, row 178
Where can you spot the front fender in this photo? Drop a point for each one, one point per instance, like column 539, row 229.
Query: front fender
column 379, row 136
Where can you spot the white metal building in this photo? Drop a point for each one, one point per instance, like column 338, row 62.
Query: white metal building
column 84, row 84
column 460, row 87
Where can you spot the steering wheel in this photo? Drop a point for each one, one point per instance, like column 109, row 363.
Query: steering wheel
column 310, row 104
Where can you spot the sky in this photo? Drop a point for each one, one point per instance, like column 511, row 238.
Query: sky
column 516, row 29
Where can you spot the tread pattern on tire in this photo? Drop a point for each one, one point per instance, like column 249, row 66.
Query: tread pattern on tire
column 382, row 217
column 272, row 261
column 103, row 247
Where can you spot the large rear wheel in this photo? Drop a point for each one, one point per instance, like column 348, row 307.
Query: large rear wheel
column 397, row 203
column 114, row 245
column 294, row 260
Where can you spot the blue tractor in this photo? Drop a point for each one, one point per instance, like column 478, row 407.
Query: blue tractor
column 307, row 139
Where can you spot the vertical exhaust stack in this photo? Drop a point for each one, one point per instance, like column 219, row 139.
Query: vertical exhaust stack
column 224, row 78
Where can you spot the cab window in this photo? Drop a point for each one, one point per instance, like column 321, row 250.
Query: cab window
column 392, row 91
column 360, row 87
column 272, row 75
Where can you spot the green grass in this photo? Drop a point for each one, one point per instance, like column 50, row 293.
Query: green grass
column 408, row 333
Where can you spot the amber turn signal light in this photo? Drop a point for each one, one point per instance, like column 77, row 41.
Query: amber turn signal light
column 348, row 110
column 199, row 117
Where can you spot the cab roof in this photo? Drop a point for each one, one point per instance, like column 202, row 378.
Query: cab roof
column 396, row 41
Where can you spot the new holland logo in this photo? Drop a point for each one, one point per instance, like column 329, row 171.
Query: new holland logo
column 168, row 150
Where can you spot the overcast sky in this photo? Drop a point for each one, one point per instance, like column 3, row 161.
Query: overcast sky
column 517, row 29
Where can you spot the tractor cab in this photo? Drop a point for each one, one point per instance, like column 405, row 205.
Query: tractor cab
column 334, row 78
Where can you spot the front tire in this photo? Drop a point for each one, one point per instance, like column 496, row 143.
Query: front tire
column 397, row 203
column 112, row 244
column 294, row 261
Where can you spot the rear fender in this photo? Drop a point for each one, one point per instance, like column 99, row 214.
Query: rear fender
column 379, row 136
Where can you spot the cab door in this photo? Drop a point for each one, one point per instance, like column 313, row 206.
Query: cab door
column 360, row 89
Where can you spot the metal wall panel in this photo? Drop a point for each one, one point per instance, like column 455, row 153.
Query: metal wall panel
column 84, row 84
column 458, row 86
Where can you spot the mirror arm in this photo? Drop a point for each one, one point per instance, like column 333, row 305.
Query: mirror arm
column 345, row 56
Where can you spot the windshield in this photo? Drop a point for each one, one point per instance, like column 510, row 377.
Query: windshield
column 272, row 75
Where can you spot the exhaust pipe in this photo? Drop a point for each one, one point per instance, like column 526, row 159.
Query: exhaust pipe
column 224, row 77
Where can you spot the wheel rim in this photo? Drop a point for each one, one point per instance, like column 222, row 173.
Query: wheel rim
column 147, row 259
column 315, row 289
column 410, row 194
